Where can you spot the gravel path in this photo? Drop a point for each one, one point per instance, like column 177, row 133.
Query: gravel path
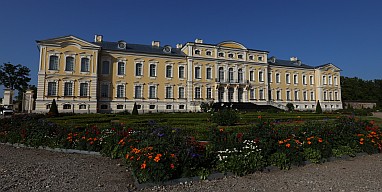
column 23, row 169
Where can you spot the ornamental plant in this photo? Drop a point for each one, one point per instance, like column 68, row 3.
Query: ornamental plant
column 226, row 116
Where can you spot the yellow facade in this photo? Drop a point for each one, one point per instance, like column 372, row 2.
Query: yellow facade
column 100, row 76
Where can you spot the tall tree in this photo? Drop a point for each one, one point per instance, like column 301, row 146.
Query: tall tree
column 14, row 76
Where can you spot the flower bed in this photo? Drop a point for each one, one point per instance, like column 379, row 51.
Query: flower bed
column 156, row 153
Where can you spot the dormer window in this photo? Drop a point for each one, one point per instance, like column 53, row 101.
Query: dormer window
column 230, row 55
column 260, row 58
column 209, row 53
column 197, row 52
column 250, row 57
column 167, row 49
column 240, row 56
column 121, row 45
column 221, row 54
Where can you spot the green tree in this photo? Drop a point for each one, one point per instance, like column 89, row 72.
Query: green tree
column 318, row 107
column 135, row 109
column 53, row 111
column 14, row 76
column 290, row 106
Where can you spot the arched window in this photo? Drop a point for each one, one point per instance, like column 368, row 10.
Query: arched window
column 230, row 74
column 240, row 75
column 69, row 64
column 85, row 65
column 221, row 74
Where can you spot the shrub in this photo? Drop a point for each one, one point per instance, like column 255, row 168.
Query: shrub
column 313, row 155
column 53, row 111
column 290, row 106
column 318, row 107
column 226, row 116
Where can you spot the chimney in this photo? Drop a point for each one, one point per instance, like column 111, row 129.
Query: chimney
column 98, row 38
column 155, row 43
column 293, row 59
column 179, row 45
column 198, row 40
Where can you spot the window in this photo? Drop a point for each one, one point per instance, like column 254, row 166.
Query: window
column 305, row 96
column 197, row 92
column 331, row 96
column 181, row 92
column 324, row 80
column 278, row 95
column 230, row 94
column 209, row 93
column 221, row 54
column 296, row 98
column 120, row 91
column 312, row 96
column 197, row 52
column 169, row 93
column 221, row 74
column 152, row 92
column 250, row 57
column 277, row 78
column 295, row 79
column 181, row 72
column 288, row 95
column 151, row 106
column 230, row 74
column 121, row 68
column 138, row 92
column 230, row 55
column 311, row 80
column 251, row 75
column 209, row 73
column 330, row 80
column 69, row 66
column 85, row 65
column 220, row 94
column 336, row 96
column 325, row 96
column 209, row 53
column 240, row 76
column 83, row 89
column 119, row 106
column 168, row 106
column 260, row 58
column 68, row 89
column 240, row 94
column 304, row 79
column 82, row 106
column 240, row 56
column 261, row 76
column 252, row 94
column 104, row 90
column 105, row 67
column 104, row 106
column 261, row 94
column 335, row 81
column 287, row 78
column 197, row 73
column 153, row 70
column 52, row 88
column 181, row 106
column 53, row 62
column 270, row 77
column 67, row 106
column 168, row 71
column 138, row 69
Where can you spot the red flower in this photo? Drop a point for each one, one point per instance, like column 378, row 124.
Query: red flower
column 172, row 166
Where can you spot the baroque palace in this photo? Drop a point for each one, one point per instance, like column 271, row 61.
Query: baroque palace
column 108, row 77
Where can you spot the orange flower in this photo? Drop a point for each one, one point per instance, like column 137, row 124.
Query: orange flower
column 127, row 156
column 287, row 145
column 83, row 137
column 221, row 129
column 173, row 155
column 359, row 135
column 143, row 166
column 362, row 139
column 361, row 142
column 172, row 166
column 373, row 133
column 320, row 140
column 259, row 117
column 157, row 159
column 281, row 142
column 309, row 142
column 150, row 156
column 308, row 139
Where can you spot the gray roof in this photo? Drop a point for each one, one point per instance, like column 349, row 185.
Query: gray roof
column 138, row 48
column 288, row 63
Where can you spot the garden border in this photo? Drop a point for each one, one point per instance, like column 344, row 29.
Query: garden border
column 70, row 151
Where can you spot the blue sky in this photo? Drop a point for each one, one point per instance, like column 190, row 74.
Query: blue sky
column 347, row 33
